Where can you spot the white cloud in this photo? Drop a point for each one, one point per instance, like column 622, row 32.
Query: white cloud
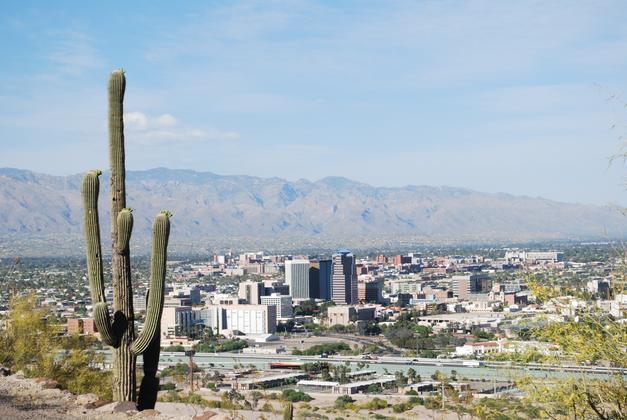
column 166, row 120
column 164, row 128
column 136, row 120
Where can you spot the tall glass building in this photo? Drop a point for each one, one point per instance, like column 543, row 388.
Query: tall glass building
column 344, row 278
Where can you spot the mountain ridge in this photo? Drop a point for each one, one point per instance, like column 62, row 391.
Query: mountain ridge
column 213, row 207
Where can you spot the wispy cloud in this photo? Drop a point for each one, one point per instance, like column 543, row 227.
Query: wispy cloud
column 164, row 128
column 73, row 53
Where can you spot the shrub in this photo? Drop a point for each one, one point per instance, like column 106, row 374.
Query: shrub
column 295, row 396
column 328, row 348
column 374, row 388
column 267, row 407
column 374, row 404
column 196, row 399
column 416, row 400
column 342, row 401
column 401, row 407
column 177, row 348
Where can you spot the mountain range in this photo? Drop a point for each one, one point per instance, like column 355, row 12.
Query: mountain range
column 210, row 208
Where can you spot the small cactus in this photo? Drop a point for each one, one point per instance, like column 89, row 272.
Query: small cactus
column 119, row 332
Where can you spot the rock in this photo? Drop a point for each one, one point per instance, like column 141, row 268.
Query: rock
column 124, row 406
column 204, row 416
column 148, row 413
column 49, row 384
column 95, row 404
column 86, row 399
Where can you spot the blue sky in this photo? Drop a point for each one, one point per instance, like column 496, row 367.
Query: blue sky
column 494, row 96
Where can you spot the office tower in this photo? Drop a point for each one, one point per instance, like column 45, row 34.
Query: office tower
column 370, row 291
column 325, row 275
column 314, row 279
column 177, row 321
column 297, row 278
column 320, row 279
column 344, row 280
column 283, row 304
column 251, row 291
column 249, row 319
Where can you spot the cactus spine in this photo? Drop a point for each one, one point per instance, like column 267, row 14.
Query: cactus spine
column 119, row 332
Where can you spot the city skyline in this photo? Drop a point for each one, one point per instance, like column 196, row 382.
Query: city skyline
column 493, row 97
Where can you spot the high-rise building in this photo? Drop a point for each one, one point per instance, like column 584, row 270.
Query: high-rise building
column 251, row 291
column 297, row 278
column 283, row 304
column 177, row 320
column 320, row 279
column 249, row 319
column 326, row 274
column 314, row 279
column 370, row 290
column 344, row 280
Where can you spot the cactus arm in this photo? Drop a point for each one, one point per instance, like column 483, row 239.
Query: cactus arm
column 160, row 235
column 125, row 227
column 104, row 325
column 90, row 189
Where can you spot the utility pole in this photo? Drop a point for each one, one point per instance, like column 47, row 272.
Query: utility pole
column 191, row 353
column 442, row 383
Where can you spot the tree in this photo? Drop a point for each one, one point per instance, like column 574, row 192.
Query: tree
column 30, row 342
column 401, row 379
column 411, row 375
column 594, row 339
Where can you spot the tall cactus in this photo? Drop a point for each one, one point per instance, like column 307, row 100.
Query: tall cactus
column 119, row 332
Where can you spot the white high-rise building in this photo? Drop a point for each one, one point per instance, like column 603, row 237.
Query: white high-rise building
column 297, row 278
column 283, row 304
column 249, row 319
column 251, row 291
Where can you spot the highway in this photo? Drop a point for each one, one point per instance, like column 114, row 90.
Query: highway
column 502, row 371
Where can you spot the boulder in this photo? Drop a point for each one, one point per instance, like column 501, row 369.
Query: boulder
column 124, row 406
column 49, row 384
column 84, row 399
column 95, row 404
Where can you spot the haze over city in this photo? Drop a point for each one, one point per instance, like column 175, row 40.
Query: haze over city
column 492, row 96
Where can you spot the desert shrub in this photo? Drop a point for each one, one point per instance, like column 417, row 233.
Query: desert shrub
column 295, row 396
column 342, row 401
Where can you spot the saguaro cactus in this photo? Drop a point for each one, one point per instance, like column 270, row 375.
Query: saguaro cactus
column 119, row 331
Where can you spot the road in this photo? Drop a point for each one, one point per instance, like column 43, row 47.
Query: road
column 501, row 371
